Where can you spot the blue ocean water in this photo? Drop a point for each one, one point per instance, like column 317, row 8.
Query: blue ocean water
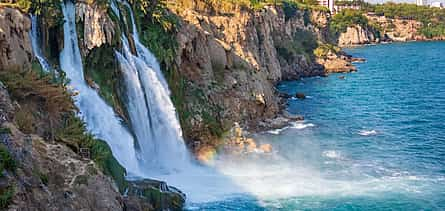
column 373, row 140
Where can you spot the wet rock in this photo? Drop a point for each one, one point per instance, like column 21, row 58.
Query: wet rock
column 284, row 95
column 357, row 60
column 291, row 116
column 300, row 95
column 341, row 77
column 266, row 148
column 153, row 194
column 98, row 28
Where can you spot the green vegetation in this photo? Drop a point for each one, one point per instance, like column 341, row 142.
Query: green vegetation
column 6, row 160
column 101, row 67
column 324, row 49
column 6, row 196
column 23, row 5
column 44, row 103
column 41, row 99
column 157, row 30
column 350, row 3
column 432, row 19
column 74, row 134
column 103, row 157
column 303, row 42
column 346, row 18
column 227, row 7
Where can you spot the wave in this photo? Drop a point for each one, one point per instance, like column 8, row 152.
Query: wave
column 332, row 154
column 367, row 132
column 300, row 125
column 293, row 125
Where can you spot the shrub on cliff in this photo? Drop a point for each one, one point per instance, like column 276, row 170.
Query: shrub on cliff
column 46, row 108
column 432, row 18
column 346, row 18
column 6, row 160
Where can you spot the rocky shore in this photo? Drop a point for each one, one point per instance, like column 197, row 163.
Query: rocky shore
column 390, row 30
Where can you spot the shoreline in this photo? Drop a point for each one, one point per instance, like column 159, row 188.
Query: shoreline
column 391, row 42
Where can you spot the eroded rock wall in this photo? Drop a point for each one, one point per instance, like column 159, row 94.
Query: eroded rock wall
column 356, row 35
column 235, row 58
column 15, row 44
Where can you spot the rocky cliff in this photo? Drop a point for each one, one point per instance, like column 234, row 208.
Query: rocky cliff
column 233, row 57
column 357, row 35
column 15, row 45
column 384, row 30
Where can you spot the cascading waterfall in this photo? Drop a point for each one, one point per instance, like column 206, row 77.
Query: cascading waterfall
column 34, row 35
column 156, row 126
column 152, row 113
column 115, row 9
column 100, row 117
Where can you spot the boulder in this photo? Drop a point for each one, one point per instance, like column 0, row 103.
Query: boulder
column 155, row 194
column 300, row 95
column 291, row 116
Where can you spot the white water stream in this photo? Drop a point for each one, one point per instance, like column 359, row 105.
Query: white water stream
column 34, row 35
column 100, row 117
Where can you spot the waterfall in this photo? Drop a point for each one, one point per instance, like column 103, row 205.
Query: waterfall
column 99, row 117
column 115, row 9
column 152, row 113
column 34, row 35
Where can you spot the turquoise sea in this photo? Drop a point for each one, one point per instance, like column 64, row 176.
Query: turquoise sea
column 373, row 140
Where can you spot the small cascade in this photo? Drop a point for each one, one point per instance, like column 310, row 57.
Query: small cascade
column 35, row 37
column 115, row 9
column 100, row 117
column 152, row 113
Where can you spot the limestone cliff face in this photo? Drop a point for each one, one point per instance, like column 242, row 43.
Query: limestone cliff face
column 357, row 35
column 397, row 29
column 390, row 29
column 15, row 44
column 236, row 58
column 98, row 28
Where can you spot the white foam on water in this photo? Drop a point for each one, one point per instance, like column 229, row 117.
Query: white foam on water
column 332, row 154
column 301, row 125
column 367, row 132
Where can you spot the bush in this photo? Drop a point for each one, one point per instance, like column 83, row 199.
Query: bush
column 103, row 157
column 6, row 160
column 346, row 18
column 6, row 197
column 74, row 134
column 39, row 98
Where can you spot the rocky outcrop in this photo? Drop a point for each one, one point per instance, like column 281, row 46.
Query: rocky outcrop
column 51, row 176
column 98, row 28
column 151, row 194
column 337, row 62
column 357, row 35
column 236, row 56
column 15, row 44
column 389, row 29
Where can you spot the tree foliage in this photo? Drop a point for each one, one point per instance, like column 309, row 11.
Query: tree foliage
column 342, row 20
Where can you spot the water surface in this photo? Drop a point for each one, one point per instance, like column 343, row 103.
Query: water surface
column 374, row 140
